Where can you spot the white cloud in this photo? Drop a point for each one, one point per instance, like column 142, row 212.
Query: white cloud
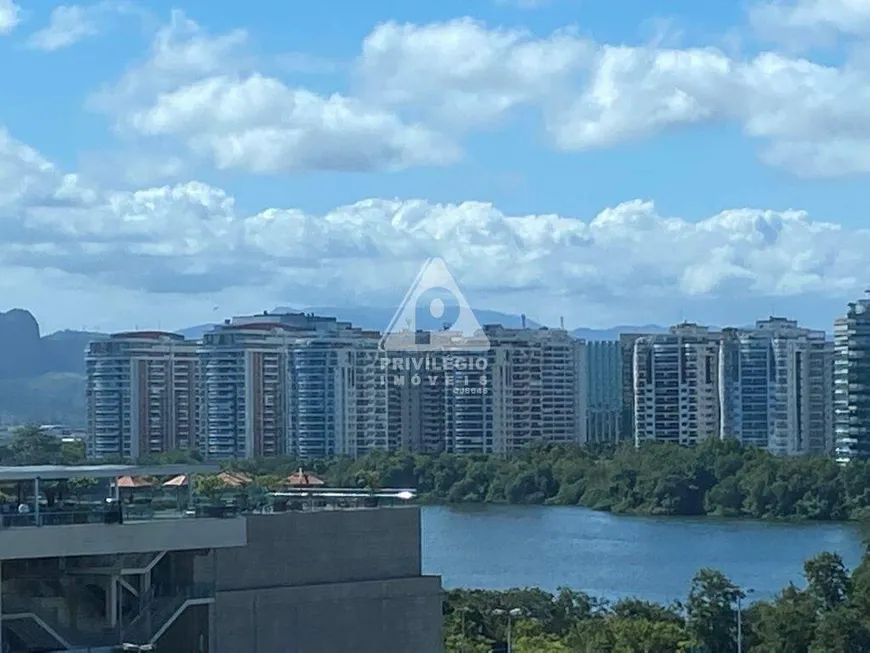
column 10, row 16
column 67, row 26
column 809, row 118
column 418, row 89
column 181, row 53
column 259, row 124
column 71, row 24
column 466, row 74
column 201, row 89
column 191, row 245
column 810, row 21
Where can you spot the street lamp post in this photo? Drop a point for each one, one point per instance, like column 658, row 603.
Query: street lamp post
column 511, row 615
column 462, row 612
column 740, row 595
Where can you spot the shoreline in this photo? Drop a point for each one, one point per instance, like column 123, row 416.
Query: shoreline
column 795, row 520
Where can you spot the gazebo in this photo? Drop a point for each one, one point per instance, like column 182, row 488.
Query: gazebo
column 235, row 479
column 132, row 482
column 302, row 478
column 177, row 481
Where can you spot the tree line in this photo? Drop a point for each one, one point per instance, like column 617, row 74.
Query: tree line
column 830, row 615
column 715, row 478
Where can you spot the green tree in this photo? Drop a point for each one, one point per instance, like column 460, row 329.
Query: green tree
column 710, row 608
column 210, row 487
column 72, row 452
column 841, row 630
column 783, row 626
column 30, row 445
column 827, row 580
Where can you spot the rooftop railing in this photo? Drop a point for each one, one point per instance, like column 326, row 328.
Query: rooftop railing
column 105, row 514
column 232, row 503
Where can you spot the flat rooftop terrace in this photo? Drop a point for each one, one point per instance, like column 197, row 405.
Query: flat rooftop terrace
column 67, row 472
column 105, row 517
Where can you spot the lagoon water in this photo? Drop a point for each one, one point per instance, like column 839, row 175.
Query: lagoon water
column 654, row 558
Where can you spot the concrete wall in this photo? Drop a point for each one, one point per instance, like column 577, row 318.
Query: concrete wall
column 395, row 616
column 323, row 547
column 326, row 582
column 23, row 542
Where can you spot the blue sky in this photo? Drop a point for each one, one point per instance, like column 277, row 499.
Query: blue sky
column 715, row 115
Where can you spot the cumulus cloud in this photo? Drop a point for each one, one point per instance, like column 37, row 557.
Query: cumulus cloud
column 417, row 90
column 203, row 89
column 810, row 118
column 10, row 16
column 259, row 124
column 71, row 24
column 627, row 262
column 67, row 26
column 810, row 21
column 465, row 73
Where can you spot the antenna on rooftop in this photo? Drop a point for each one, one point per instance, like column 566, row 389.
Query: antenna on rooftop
column 562, row 323
column 523, row 320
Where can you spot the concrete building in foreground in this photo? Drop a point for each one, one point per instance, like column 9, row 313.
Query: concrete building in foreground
column 74, row 578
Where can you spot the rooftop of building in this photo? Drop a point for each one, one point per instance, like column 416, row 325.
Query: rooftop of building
column 146, row 335
column 61, row 472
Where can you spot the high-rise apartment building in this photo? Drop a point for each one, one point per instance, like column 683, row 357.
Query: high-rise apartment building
column 338, row 405
column 531, row 389
column 292, row 383
column 418, row 395
column 604, row 391
column 243, row 400
column 626, row 346
column 676, row 385
column 775, row 387
column 141, row 394
column 852, row 382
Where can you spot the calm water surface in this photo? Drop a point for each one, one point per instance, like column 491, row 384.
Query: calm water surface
column 498, row 547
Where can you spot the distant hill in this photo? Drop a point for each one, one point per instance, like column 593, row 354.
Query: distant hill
column 25, row 353
column 52, row 398
column 615, row 332
column 195, row 332
column 378, row 319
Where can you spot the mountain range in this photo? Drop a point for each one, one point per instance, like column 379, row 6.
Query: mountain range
column 42, row 376
column 378, row 319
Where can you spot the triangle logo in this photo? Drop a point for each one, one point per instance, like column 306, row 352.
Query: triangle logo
column 434, row 296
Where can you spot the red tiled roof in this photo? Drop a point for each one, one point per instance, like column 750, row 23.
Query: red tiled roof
column 132, row 482
column 301, row 478
column 235, row 479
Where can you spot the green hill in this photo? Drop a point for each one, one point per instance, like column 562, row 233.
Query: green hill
column 56, row 397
